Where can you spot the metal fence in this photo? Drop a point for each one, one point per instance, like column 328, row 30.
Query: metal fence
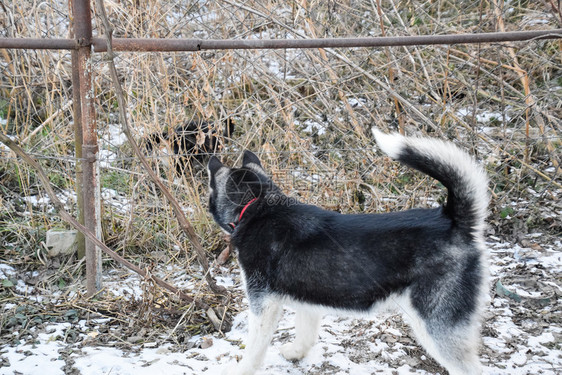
column 302, row 80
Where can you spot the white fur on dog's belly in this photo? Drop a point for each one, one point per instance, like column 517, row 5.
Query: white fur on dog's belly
column 396, row 302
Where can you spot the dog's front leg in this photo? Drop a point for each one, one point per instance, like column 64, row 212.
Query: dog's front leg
column 307, row 324
column 262, row 324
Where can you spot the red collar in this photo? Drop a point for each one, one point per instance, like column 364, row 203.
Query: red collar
column 233, row 225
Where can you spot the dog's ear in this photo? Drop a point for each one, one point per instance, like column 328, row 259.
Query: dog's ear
column 214, row 165
column 250, row 158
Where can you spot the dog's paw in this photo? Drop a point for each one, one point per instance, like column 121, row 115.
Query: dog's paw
column 292, row 352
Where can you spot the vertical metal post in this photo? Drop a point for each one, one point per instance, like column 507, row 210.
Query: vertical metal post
column 77, row 115
column 78, row 140
column 90, row 170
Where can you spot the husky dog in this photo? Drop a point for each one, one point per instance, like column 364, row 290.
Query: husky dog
column 429, row 264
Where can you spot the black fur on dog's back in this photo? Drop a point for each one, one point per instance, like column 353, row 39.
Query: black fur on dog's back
column 335, row 242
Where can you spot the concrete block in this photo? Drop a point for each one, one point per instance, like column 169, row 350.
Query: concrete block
column 61, row 242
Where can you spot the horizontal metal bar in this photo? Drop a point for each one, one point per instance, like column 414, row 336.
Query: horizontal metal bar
column 38, row 43
column 176, row 45
column 168, row 45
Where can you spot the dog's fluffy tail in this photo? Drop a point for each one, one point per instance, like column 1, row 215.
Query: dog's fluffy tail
column 465, row 180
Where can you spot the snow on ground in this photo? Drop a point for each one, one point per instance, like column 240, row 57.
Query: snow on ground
column 518, row 337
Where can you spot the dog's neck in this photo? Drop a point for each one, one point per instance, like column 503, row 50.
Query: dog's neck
column 233, row 224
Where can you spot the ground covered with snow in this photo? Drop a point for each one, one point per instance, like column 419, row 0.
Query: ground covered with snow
column 522, row 333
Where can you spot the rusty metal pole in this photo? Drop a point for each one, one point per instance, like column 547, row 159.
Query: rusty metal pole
column 176, row 45
column 90, row 169
column 78, row 140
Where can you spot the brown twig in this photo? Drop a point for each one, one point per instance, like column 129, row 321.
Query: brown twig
column 183, row 222
column 557, row 10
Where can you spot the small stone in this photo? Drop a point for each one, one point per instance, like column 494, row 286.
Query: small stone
column 207, row 342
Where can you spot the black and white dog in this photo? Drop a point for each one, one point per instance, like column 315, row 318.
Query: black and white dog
column 429, row 264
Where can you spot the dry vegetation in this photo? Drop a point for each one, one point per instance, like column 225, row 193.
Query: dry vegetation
column 307, row 113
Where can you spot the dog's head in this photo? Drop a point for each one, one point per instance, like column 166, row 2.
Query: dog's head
column 230, row 189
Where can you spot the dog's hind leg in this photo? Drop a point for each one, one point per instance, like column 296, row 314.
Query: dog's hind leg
column 454, row 347
column 454, row 351
column 307, row 324
column 262, row 325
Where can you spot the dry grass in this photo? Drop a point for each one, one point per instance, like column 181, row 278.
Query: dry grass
column 307, row 113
